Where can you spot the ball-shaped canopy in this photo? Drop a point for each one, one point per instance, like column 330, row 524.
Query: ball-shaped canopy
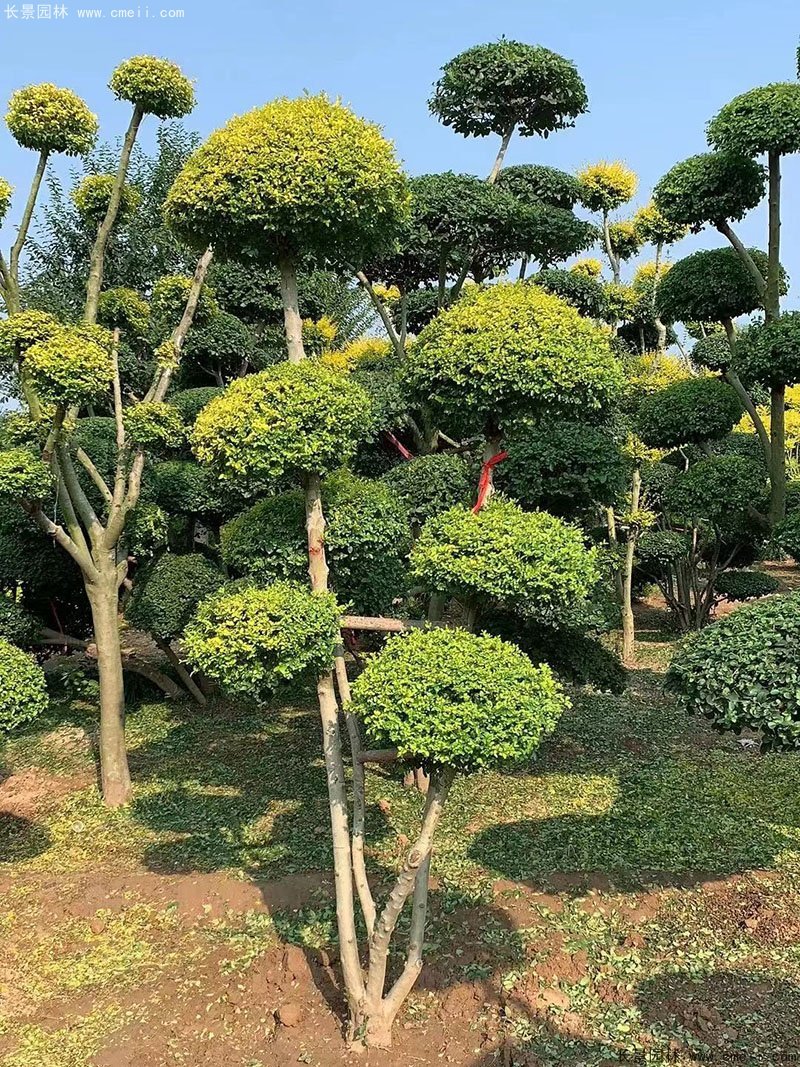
column 710, row 187
column 509, row 350
column 292, row 178
column 607, row 185
column 23, row 329
column 534, row 182
column 713, row 351
column 447, row 698
column 73, row 366
column 166, row 596
column 762, row 120
column 720, row 490
column 696, row 409
column 769, row 353
column 124, row 309
column 155, row 85
column 23, row 693
column 494, row 88
column 93, row 195
column 583, row 291
column 711, row 285
column 293, row 418
column 653, row 227
column 23, row 476
column 428, row 485
column 154, row 424
column 48, row 119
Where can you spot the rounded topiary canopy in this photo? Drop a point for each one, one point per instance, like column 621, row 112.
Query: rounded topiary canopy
column 72, row 366
column 47, row 119
column 185, row 487
column 168, row 302
column 165, row 597
column 190, row 402
column 23, row 694
column 534, row 182
column 607, row 185
column 429, row 485
column 563, row 467
column 155, row 85
column 582, row 291
column 224, row 342
column 713, row 351
column 293, row 177
column 711, row 285
column 624, row 238
column 744, row 671
column 452, row 699
column 23, row 329
column 710, row 187
column 769, row 353
column 6, row 192
column 547, row 234
column 746, row 585
column 766, row 119
column 23, row 476
column 696, row 409
column 506, row 554
column 497, row 87
column 124, row 309
column 154, row 424
column 720, row 490
column 250, row 640
column 651, row 226
column 509, row 350
column 293, row 418
column 93, row 195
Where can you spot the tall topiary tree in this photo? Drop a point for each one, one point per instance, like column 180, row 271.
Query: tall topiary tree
column 606, row 186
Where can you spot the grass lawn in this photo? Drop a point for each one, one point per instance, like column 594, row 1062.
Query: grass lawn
column 631, row 898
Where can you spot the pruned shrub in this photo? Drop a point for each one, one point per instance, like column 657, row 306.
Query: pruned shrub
column 17, row 626
column 429, row 485
column 23, row 695
column 696, row 409
column 746, row 585
column 166, row 595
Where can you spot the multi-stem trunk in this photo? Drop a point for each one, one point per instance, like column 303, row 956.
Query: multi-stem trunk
column 114, row 772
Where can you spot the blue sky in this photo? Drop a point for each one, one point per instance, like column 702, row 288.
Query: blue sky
column 655, row 73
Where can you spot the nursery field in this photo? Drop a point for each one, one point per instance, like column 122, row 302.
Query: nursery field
column 632, row 897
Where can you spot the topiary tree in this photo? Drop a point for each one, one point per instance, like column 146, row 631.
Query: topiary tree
column 740, row 585
column 93, row 195
column 429, row 485
column 165, row 598
column 23, row 694
column 505, row 555
column 750, row 658
column 606, row 186
column 584, row 292
column 263, row 187
column 457, row 703
column 504, row 86
column 651, row 226
column 693, row 411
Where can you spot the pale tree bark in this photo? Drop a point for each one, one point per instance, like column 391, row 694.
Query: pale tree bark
column 613, row 258
column 733, row 379
column 293, row 323
column 628, row 622
column 14, row 304
column 772, row 310
column 501, row 155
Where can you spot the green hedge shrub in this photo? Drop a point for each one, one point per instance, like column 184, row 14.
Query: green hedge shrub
column 166, row 595
column 429, row 485
column 746, row 585
column 23, row 694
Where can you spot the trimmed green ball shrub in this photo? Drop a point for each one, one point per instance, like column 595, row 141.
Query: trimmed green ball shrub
column 16, row 624
column 720, row 489
column 45, row 118
column 267, row 542
column 153, row 424
column 155, row 85
column 190, row 402
column 224, row 342
column 766, row 119
column 711, row 285
column 586, row 294
column 125, row 309
column 746, row 585
column 506, row 554
column 710, row 187
column 23, row 476
column 453, row 699
column 146, row 530
column 251, row 641
column 769, row 353
column 73, row 366
column 429, row 485
column 744, row 671
column 533, row 182
column 168, row 303
column 689, row 411
column 662, row 547
column 93, row 195
column 293, row 418
column 713, row 351
column 183, row 486
column 23, row 694
column 166, row 596
column 23, row 329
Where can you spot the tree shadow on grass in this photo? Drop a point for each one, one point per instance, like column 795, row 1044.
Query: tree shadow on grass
column 21, row 838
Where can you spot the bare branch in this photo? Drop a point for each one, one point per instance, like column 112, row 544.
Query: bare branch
column 725, row 228
column 25, row 223
column 62, row 538
column 95, row 475
column 383, row 311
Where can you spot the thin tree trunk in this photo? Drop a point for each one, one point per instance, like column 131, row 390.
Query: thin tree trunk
column 523, row 268
column 628, row 625
column 725, row 228
column 291, row 310
column 189, row 683
column 612, row 258
column 22, row 233
column 498, row 163
column 772, row 310
column 777, row 422
column 114, row 773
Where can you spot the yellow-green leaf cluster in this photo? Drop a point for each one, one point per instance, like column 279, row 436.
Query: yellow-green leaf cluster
column 155, row 85
column 23, row 476
column 154, row 424
column 607, row 185
column 6, row 192
column 23, row 329
column 48, row 119
column 93, row 195
column 72, row 366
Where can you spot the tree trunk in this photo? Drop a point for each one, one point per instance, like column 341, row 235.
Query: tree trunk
column 114, row 774
column 189, row 683
column 628, row 626
column 777, row 473
column 498, row 163
column 293, row 324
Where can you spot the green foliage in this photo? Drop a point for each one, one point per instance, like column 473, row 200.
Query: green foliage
column 295, row 177
column 222, row 347
column 23, row 329
column 711, row 285
column 787, row 535
column 746, row 585
column 23, row 476
column 146, row 530
column 429, row 485
column 293, row 418
column 17, row 626
column 190, row 402
column 124, row 309
column 710, row 187
column 97, row 436
column 183, row 486
column 154, row 85
column 73, row 366
column 6, row 192
column 583, row 292
column 563, row 467
column 453, row 699
column 168, row 302
column 23, row 695
column 607, row 185
column 497, row 87
column 624, row 239
column 506, row 554
column 744, row 671
column 250, row 640
column 549, row 234
column 267, row 542
column 511, row 350
column 662, row 547
column 47, row 119
column 653, row 227
column 720, row 490
column 535, row 183
column 713, row 351
column 688, row 411
column 762, row 120
column 166, row 595
column 769, row 353
column 93, row 195
column 154, row 424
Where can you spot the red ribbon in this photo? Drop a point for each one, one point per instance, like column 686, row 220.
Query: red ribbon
column 486, row 479
column 401, row 448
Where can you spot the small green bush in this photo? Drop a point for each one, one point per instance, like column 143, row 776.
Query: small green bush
column 787, row 535
column 744, row 671
column 23, row 694
column 154, row 425
column 166, row 595
column 746, row 585
column 267, row 542
column 23, row 476
column 146, row 530
column 156, row 85
column 692, row 410
column 183, row 486
column 73, row 366
column 720, row 490
column 251, row 641
column 190, row 402
column 16, row 625
column 429, row 485
column 454, row 699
